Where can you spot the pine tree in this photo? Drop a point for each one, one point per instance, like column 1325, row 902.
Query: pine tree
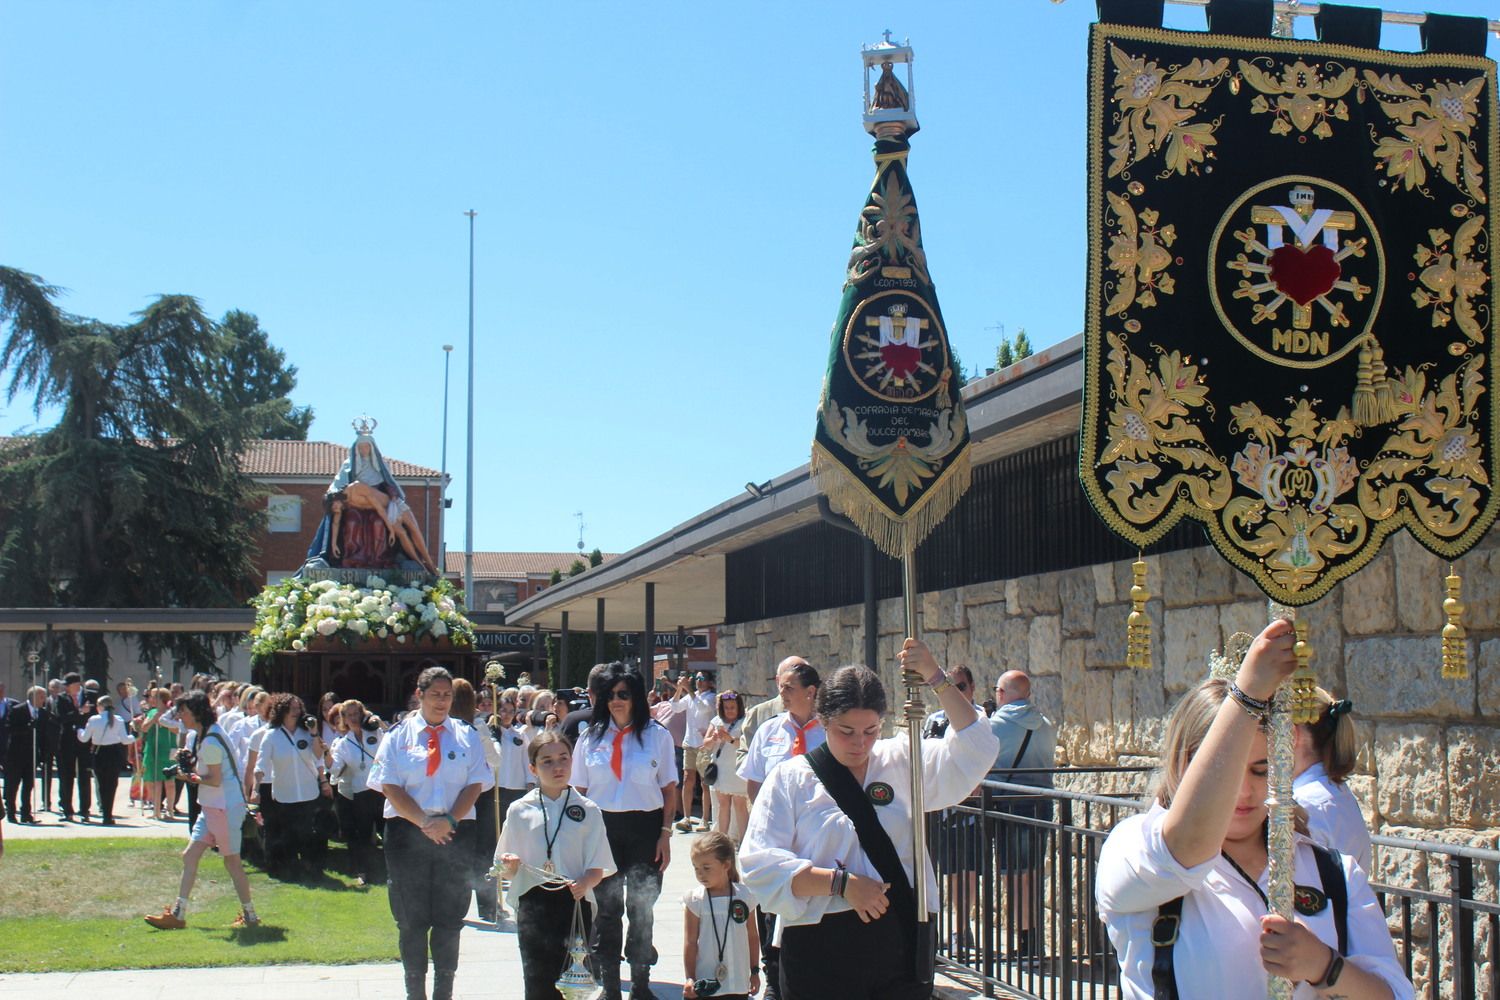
column 595, row 557
column 1004, row 356
column 134, row 498
column 1022, row 345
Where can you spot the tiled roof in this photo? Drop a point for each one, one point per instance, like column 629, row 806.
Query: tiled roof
column 312, row 458
column 491, row 565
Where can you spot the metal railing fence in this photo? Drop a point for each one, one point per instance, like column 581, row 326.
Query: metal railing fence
column 1017, row 917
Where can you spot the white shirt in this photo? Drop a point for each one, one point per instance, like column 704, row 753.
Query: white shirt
column 102, row 734
column 353, row 756
column 1217, row 951
column 252, row 733
column 795, row 824
column 578, row 839
column 228, row 791
column 511, row 744
column 402, row 760
column 487, row 742
column 287, row 762
column 648, row 765
column 1333, row 815
column 729, row 781
column 227, row 720
column 773, row 742
column 701, row 707
column 731, row 917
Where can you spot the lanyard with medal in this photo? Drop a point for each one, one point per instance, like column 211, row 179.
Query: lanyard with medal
column 720, row 970
column 551, row 836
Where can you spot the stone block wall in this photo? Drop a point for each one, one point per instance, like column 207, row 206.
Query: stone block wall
column 1429, row 763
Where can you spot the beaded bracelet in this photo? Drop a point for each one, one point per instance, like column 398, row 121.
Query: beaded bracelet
column 1257, row 708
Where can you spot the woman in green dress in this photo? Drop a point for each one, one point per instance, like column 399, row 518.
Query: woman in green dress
column 158, row 742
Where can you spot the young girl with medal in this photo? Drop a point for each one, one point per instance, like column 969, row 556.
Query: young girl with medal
column 554, row 850
column 624, row 761
column 1182, row 887
column 431, row 770
column 829, row 848
column 721, row 944
column 357, row 804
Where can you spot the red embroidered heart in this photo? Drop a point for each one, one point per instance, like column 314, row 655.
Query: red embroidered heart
column 902, row 360
column 1304, row 275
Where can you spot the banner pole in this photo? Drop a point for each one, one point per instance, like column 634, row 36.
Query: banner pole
column 1281, row 845
column 916, row 711
column 495, row 708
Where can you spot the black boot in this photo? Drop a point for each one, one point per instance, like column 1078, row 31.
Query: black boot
column 609, row 978
column 416, row 986
column 442, row 986
column 640, row 983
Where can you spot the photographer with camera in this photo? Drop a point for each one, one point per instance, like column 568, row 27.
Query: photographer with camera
column 108, row 732
column 358, row 805
column 221, row 811
column 291, row 762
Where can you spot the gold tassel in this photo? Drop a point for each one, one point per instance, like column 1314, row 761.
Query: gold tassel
column 1455, row 648
column 1366, row 412
column 1138, row 625
column 1304, row 693
column 1385, row 392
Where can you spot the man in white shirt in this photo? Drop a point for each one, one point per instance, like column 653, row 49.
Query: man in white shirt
column 701, row 707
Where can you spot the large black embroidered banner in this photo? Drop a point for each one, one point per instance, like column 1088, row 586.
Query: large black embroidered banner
column 1290, row 299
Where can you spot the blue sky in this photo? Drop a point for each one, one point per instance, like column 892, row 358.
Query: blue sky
column 666, row 195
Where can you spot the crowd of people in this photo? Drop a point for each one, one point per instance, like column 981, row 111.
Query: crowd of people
column 804, row 853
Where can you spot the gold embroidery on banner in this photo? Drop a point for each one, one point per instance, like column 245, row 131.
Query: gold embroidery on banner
column 1434, row 131
column 1302, row 94
column 1138, row 255
column 1452, row 277
column 1156, row 108
column 889, row 232
column 1147, row 427
column 1104, row 161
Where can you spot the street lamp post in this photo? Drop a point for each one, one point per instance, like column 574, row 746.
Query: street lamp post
column 469, row 468
column 443, row 478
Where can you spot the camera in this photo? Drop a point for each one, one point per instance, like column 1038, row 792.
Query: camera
column 310, row 724
column 182, row 764
column 706, row 987
column 370, row 723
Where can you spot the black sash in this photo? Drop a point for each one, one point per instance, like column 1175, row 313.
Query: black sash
column 873, row 840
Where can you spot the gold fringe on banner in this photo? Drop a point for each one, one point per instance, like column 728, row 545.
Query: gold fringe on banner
column 894, row 536
column 1455, row 639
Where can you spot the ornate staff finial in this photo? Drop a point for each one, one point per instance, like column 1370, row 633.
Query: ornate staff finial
column 1455, row 650
column 364, row 424
column 1138, row 625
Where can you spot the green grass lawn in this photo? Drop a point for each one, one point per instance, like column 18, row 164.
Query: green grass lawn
column 76, row 905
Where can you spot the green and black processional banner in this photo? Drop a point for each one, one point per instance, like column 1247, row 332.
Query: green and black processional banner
column 1290, row 300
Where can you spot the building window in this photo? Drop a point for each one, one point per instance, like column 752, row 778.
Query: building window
column 284, row 513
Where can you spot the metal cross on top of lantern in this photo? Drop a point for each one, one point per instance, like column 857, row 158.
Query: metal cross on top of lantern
column 1290, row 308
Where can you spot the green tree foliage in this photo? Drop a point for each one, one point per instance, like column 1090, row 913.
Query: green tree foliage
column 134, row 498
column 595, row 558
column 1005, row 355
column 556, row 577
column 1022, row 345
column 578, row 568
column 575, row 672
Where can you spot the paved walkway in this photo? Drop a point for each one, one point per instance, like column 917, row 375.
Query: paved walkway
column 490, row 967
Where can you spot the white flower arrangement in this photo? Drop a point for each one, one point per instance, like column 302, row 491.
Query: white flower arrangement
column 294, row 614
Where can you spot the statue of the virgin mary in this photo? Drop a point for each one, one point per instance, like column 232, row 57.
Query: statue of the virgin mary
column 366, row 521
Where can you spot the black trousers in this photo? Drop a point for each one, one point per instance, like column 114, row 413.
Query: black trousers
column 429, row 894
column 770, row 955
column 49, row 775
column 192, row 794
column 631, row 891
column 20, row 781
column 487, row 890
column 544, row 919
column 291, row 848
column 109, row 761
column 73, row 769
column 842, row 956
column 357, row 818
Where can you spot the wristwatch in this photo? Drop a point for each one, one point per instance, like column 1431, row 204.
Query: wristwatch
column 942, row 685
column 1330, row 974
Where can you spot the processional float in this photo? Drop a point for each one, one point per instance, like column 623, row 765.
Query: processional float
column 891, row 448
column 1289, row 308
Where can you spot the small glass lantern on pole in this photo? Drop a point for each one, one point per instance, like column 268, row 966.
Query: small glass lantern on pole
column 890, row 105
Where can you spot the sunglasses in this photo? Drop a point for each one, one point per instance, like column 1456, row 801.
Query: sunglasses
column 620, row 695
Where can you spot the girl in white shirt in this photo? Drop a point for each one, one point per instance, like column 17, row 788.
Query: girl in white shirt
column 849, row 919
column 1204, row 842
column 431, row 770
column 552, row 829
column 731, row 797
column 1324, row 757
column 721, row 945
column 624, row 762
column 109, row 733
column 358, row 805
